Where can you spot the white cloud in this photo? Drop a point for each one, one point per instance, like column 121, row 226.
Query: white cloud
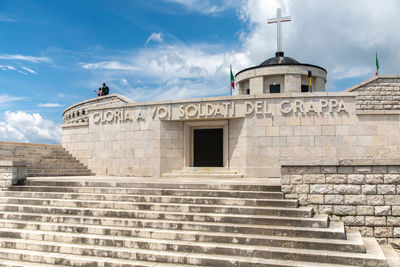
column 340, row 36
column 49, row 105
column 7, row 67
column 24, row 58
column 206, row 6
column 124, row 82
column 108, row 65
column 29, row 70
column 4, row 98
column 24, row 127
column 155, row 37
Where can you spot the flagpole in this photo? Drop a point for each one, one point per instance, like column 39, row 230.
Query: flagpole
column 230, row 82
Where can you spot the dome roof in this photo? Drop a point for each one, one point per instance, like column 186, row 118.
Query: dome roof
column 279, row 59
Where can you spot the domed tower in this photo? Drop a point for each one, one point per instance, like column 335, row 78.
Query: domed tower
column 280, row 74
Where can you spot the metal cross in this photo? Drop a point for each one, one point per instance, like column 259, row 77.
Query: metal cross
column 278, row 20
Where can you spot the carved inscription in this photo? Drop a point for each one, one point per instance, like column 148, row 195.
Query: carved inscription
column 226, row 109
column 207, row 110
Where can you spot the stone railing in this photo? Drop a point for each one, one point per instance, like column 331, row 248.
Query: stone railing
column 11, row 173
column 364, row 194
column 78, row 115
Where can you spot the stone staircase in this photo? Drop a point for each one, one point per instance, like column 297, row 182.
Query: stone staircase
column 87, row 221
column 43, row 160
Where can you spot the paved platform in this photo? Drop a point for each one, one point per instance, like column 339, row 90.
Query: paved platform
column 183, row 180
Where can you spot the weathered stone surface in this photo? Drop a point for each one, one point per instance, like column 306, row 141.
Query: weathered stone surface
column 321, row 189
column 344, row 210
column 296, row 179
column 328, row 169
column 355, row 199
column 354, row 220
column 347, row 189
column 336, row 178
column 368, row 189
column 375, row 200
column 345, row 169
column 303, row 189
column 288, row 189
column 396, row 232
column 365, row 210
column 314, row 178
column 363, row 169
column 334, row 199
column 285, row 179
column 356, row 179
column 392, row 200
column 396, row 210
column 374, row 178
column 386, row 190
column 383, row 231
column 383, row 210
column 375, row 221
column 393, row 169
column 393, row 221
column 392, row 178
column 316, row 199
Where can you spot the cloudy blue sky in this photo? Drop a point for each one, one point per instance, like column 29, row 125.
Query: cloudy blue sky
column 55, row 53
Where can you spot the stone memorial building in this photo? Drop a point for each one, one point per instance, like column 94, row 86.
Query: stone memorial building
column 281, row 174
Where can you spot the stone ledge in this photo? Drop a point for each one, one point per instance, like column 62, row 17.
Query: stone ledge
column 338, row 162
column 78, row 124
column 377, row 112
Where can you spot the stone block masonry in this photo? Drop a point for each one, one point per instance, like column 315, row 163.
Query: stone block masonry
column 365, row 195
column 11, row 173
column 379, row 93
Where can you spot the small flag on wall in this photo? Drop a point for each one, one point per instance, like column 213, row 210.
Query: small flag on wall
column 377, row 64
column 232, row 80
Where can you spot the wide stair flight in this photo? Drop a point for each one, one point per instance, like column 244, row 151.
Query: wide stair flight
column 43, row 160
column 170, row 222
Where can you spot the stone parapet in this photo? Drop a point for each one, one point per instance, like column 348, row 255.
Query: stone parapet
column 364, row 195
column 11, row 173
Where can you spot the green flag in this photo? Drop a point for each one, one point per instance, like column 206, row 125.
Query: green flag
column 377, row 64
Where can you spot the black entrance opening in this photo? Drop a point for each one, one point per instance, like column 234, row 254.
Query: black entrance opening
column 208, row 148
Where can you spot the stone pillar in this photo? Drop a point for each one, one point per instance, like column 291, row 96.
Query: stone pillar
column 256, row 86
column 11, row 173
column 292, row 83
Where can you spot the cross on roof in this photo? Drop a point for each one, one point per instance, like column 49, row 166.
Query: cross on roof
column 278, row 20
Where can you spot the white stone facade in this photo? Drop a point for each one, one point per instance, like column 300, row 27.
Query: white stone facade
column 148, row 139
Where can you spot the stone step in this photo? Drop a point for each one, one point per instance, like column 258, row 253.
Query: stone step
column 155, row 199
column 182, row 254
column 191, row 240
column 57, row 165
column 18, row 263
column 133, row 227
column 157, row 185
column 335, row 231
column 195, row 259
column 143, row 210
column 126, row 207
column 202, row 175
column 31, row 258
column 91, row 216
column 152, row 191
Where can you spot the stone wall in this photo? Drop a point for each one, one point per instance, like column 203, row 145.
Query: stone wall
column 379, row 93
column 363, row 194
column 11, row 173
